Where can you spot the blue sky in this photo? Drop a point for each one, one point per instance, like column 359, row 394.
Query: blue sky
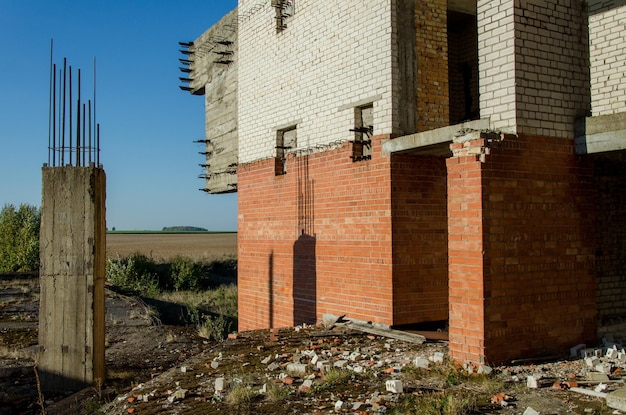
column 147, row 124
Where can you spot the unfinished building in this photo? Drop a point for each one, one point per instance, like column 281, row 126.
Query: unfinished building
column 426, row 161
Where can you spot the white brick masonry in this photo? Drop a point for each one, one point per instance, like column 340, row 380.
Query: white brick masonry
column 496, row 63
column 533, row 71
column 607, row 44
column 552, row 79
column 332, row 53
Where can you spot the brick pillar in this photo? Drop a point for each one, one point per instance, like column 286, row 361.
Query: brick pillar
column 432, row 64
column 466, row 269
column 521, row 248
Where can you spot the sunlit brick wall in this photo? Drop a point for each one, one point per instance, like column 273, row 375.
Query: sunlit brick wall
column 332, row 54
column 607, row 41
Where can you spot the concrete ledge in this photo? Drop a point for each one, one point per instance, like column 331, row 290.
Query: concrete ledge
column 601, row 134
column 434, row 142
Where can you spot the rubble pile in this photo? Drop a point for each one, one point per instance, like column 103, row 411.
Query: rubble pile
column 313, row 370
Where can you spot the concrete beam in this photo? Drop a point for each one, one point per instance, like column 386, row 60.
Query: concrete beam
column 434, row 142
column 601, row 134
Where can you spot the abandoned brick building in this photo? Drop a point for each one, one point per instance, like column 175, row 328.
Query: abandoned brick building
column 403, row 161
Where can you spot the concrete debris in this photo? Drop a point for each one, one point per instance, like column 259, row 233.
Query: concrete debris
column 530, row 411
column 303, row 368
column 394, row 386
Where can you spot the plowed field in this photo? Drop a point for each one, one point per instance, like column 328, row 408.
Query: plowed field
column 164, row 246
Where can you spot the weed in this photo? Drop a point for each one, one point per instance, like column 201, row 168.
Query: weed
column 240, row 393
column 214, row 328
column 276, row 393
column 441, row 403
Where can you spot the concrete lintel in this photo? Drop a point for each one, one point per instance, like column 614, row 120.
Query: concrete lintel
column 601, row 134
column 434, row 142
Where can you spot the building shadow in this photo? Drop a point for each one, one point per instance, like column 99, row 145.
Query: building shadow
column 304, row 260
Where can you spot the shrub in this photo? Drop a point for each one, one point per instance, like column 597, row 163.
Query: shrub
column 136, row 273
column 19, row 238
column 186, row 274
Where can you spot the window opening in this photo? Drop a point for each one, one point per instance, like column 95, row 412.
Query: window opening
column 363, row 131
column 284, row 10
column 286, row 139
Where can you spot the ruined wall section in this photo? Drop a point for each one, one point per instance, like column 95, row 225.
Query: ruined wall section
column 331, row 57
column 214, row 74
column 433, row 102
column 607, row 44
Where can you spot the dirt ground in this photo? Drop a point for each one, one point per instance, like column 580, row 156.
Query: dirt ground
column 154, row 369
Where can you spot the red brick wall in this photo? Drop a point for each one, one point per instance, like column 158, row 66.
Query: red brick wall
column 420, row 242
column 521, row 245
column 318, row 237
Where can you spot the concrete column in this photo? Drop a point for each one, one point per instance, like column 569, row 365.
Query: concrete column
column 72, row 274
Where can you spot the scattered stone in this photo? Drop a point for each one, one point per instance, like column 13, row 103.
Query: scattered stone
column 394, row 386
column 530, row 411
column 484, row 370
column 215, row 364
column 273, row 366
column 532, row 382
column 438, row 357
column 220, row 384
column 421, row 363
column 339, row 405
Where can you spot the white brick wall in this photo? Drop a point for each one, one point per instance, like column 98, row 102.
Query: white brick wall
column 533, row 71
column 496, row 63
column 332, row 53
column 552, row 69
column 607, row 44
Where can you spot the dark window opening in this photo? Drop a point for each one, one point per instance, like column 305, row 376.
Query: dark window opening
column 284, row 10
column 363, row 131
column 286, row 139
column 463, row 67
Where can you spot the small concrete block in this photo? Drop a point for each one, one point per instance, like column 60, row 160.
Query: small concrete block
column 588, row 352
column 617, row 399
column 621, row 356
column 183, row 369
column 532, row 382
column 340, row 363
column 604, row 368
column 421, row 363
column 339, row 405
column 438, row 357
column 598, row 352
column 263, row 389
column 220, row 384
column 530, row 411
column 215, row 364
column 354, row 356
column 611, row 353
column 575, row 351
column 598, row 377
column 267, row 360
column 315, row 359
column 296, row 368
column 484, row 370
column 592, row 361
column 358, row 369
column 394, row 386
column 273, row 366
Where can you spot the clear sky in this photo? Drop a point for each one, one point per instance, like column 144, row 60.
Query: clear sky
column 147, row 124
